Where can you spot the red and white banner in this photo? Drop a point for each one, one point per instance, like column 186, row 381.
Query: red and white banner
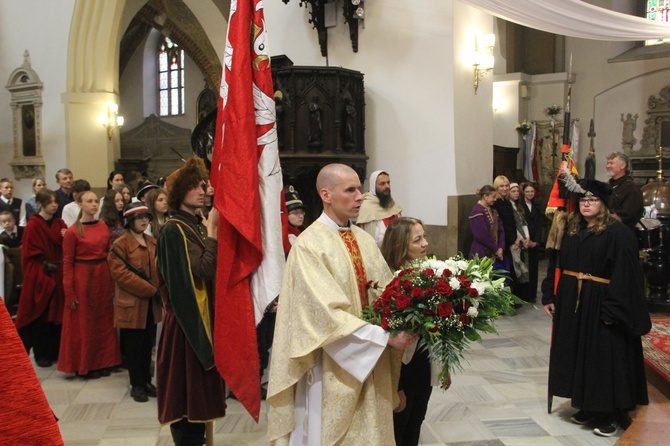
column 248, row 186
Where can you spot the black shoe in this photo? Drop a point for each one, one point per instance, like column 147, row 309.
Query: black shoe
column 90, row 375
column 150, row 390
column 139, row 394
column 104, row 372
column 581, row 417
column 607, row 428
column 43, row 363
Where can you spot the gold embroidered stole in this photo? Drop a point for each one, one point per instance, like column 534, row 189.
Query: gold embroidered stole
column 359, row 267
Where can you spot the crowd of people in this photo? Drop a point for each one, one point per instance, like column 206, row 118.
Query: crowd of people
column 100, row 275
column 593, row 290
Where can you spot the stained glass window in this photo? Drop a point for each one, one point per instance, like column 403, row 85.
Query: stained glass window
column 658, row 10
column 170, row 79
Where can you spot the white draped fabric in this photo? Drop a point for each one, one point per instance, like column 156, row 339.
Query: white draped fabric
column 574, row 18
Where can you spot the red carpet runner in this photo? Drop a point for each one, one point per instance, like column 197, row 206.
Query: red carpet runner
column 656, row 345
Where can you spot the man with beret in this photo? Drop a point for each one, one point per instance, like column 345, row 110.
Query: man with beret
column 190, row 389
column 378, row 209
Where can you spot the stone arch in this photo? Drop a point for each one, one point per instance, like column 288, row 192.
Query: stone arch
column 93, row 70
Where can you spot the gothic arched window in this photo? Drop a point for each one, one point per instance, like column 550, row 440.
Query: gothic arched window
column 170, row 79
column 658, row 10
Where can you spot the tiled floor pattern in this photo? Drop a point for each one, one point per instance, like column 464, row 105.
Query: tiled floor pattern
column 498, row 399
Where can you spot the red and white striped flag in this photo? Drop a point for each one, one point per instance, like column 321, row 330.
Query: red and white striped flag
column 247, row 180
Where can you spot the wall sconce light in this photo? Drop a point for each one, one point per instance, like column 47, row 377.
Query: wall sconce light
column 111, row 120
column 483, row 59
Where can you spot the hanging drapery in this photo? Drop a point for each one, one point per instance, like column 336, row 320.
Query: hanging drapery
column 574, row 18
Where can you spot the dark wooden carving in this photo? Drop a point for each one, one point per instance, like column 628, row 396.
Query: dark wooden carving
column 320, row 120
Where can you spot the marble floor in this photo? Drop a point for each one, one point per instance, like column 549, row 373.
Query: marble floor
column 498, row 399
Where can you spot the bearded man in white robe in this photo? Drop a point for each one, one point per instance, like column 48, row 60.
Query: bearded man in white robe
column 379, row 208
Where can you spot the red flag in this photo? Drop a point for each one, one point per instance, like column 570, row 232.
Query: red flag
column 247, row 180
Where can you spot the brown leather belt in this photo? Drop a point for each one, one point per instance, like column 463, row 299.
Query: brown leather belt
column 580, row 278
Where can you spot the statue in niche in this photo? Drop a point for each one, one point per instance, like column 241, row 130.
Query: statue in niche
column 349, row 126
column 628, row 139
column 315, row 135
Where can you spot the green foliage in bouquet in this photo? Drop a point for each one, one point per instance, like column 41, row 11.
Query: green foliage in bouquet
column 447, row 303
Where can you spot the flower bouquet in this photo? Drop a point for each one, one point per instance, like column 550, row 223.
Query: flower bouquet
column 447, row 303
column 523, row 127
column 553, row 110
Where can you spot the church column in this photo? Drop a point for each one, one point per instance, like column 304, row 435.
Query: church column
column 92, row 85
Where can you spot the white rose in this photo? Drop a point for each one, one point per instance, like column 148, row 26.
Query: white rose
column 455, row 284
column 472, row 312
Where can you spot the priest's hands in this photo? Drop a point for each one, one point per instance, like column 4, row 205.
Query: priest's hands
column 402, row 340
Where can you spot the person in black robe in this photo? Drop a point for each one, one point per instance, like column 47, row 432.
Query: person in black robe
column 599, row 314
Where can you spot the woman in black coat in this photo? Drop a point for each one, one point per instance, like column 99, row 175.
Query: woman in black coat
column 505, row 210
column 534, row 216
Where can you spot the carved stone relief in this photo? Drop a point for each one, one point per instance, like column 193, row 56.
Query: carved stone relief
column 658, row 112
column 25, row 88
column 154, row 145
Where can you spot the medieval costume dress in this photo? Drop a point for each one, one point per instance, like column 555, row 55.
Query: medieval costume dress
column 333, row 379
column 40, row 313
column 89, row 341
column 189, row 385
column 487, row 232
column 600, row 314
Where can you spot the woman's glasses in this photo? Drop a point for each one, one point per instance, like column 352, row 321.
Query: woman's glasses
column 590, row 201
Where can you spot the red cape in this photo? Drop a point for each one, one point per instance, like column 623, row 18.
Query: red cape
column 25, row 415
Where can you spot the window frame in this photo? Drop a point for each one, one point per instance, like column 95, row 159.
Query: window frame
column 175, row 86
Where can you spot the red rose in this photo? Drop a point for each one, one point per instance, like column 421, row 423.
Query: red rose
column 417, row 292
column 465, row 283
column 428, row 272
column 402, row 302
column 394, row 285
column 444, row 309
column 429, row 291
column 427, row 312
column 378, row 305
column 446, row 273
column 385, row 324
column 464, row 319
column 386, row 312
column 407, row 285
column 443, row 287
column 472, row 292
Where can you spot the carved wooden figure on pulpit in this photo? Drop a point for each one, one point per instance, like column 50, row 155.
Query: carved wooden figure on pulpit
column 315, row 135
column 349, row 127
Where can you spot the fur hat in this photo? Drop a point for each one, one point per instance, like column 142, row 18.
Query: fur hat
column 178, row 183
column 292, row 199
